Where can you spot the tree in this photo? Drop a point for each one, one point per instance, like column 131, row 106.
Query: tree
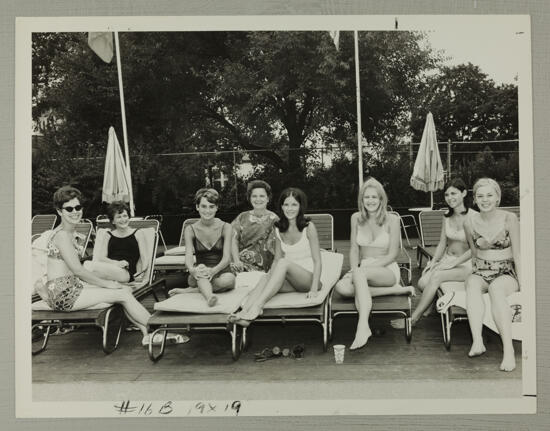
column 467, row 106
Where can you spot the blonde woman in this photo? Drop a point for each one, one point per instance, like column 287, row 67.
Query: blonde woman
column 493, row 237
column 374, row 246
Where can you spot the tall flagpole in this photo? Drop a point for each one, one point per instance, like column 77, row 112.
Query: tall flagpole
column 358, row 101
column 124, row 132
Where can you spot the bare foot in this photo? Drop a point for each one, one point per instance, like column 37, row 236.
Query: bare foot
column 508, row 361
column 361, row 338
column 213, row 300
column 478, row 348
column 175, row 291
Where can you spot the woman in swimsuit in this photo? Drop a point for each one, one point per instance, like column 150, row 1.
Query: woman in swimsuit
column 297, row 262
column 493, row 236
column 374, row 244
column 451, row 260
column 117, row 258
column 72, row 287
column 208, row 249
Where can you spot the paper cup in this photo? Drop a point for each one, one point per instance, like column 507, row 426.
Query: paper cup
column 339, row 350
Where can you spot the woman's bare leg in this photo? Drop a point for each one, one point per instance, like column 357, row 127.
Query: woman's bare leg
column 283, row 269
column 499, row 289
column 475, row 308
column 92, row 295
column 108, row 271
column 363, row 303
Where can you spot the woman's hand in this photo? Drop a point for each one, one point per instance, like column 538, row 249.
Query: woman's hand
column 237, row 265
column 202, row 271
column 312, row 294
column 122, row 263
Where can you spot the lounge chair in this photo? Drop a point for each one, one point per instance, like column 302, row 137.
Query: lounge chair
column 110, row 318
column 390, row 304
column 451, row 304
column 174, row 258
column 188, row 311
column 41, row 223
column 430, row 233
column 293, row 306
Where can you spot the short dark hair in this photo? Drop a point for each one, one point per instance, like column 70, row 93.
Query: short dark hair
column 301, row 220
column 211, row 195
column 65, row 194
column 117, row 207
column 257, row 184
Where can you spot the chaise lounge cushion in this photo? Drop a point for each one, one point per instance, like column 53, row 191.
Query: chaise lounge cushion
column 194, row 302
column 332, row 268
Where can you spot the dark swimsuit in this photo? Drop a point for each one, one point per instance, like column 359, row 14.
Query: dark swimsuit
column 209, row 257
column 491, row 269
column 125, row 248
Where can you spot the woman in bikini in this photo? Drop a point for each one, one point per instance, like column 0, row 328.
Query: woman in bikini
column 493, row 236
column 451, row 260
column 297, row 263
column 117, row 257
column 374, row 245
column 208, row 249
column 72, row 287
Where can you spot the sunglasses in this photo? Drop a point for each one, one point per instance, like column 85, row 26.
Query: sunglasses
column 70, row 209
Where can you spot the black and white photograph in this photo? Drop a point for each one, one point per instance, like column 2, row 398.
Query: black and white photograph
column 267, row 215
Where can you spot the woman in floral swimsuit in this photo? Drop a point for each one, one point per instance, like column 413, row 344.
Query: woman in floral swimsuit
column 493, row 237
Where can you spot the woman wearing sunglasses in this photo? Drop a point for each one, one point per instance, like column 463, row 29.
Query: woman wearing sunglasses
column 72, row 287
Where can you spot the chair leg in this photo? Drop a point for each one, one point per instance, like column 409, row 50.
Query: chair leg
column 235, row 342
column 46, row 338
column 105, row 328
column 408, row 329
column 150, row 351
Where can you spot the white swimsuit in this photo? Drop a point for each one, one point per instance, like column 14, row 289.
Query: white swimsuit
column 299, row 253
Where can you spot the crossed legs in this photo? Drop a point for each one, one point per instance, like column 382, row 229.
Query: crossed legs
column 208, row 288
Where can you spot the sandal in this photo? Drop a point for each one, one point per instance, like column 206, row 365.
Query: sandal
column 298, row 351
column 267, row 354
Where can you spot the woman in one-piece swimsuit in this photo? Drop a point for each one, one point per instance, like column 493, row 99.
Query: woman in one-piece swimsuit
column 493, row 237
column 208, row 249
column 374, row 245
column 118, row 256
column 297, row 262
column 70, row 286
column 452, row 259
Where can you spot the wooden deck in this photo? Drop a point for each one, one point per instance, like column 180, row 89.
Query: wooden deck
column 387, row 368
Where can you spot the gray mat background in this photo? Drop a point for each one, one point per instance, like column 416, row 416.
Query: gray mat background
column 540, row 16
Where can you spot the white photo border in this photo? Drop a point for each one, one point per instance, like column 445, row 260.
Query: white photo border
column 26, row 407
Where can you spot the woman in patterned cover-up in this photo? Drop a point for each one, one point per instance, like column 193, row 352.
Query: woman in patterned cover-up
column 493, row 237
column 253, row 244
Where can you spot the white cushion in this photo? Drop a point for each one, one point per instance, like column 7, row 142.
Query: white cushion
column 330, row 274
column 176, row 251
column 194, row 302
column 452, row 286
column 170, row 260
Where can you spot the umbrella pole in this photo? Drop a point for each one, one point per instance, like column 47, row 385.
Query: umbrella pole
column 358, row 102
column 124, row 132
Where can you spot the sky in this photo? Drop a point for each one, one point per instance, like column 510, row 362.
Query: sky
column 494, row 51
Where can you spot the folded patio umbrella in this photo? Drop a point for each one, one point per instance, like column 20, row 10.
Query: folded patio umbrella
column 116, row 182
column 428, row 169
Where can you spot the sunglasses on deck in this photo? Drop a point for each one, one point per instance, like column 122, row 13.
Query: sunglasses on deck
column 70, row 209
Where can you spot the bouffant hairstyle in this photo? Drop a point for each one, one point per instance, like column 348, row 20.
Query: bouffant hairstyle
column 65, row 194
column 117, row 207
column 257, row 184
column 210, row 195
column 488, row 182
